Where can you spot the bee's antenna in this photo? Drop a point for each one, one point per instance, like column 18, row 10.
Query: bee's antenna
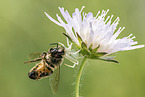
column 54, row 44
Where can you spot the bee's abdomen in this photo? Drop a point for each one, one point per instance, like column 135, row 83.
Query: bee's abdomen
column 33, row 75
column 49, row 65
column 45, row 74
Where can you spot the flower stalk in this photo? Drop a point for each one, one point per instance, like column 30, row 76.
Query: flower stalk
column 79, row 77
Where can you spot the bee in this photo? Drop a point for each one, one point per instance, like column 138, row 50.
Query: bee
column 49, row 65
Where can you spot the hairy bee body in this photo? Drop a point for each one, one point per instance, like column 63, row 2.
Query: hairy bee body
column 49, row 62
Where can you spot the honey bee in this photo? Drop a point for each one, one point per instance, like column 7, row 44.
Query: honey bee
column 49, row 65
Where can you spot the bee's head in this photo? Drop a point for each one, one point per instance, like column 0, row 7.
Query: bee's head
column 57, row 52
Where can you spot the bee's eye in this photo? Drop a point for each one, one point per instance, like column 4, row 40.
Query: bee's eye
column 51, row 49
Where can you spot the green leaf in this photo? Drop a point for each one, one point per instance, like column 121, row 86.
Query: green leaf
column 100, row 54
column 68, row 37
column 94, row 50
column 79, row 38
column 90, row 48
column 84, row 49
column 115, row 61
column 71, row 40
column 96, row 55
column 83, row 45
column 93, row 56
column 107, row 58
column 98, row 58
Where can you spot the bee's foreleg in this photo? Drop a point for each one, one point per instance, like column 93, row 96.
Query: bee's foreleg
column 33, row 61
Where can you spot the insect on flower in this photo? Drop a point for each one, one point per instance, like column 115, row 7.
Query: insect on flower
column 95, row 37
column 49, row 65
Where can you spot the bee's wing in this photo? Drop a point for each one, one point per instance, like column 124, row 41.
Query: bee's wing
column 54, row 80
column 32, row 56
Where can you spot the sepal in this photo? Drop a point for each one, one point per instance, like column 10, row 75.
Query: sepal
column 93, row 50
column 68, row 37
column 109, row 60
column 84, row 49
column 79, row 38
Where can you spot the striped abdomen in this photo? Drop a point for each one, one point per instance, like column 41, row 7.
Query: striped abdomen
column 41, row 70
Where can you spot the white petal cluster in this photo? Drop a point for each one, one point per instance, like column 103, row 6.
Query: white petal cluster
column 95, row 31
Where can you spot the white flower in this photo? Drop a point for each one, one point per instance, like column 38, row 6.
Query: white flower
column 94, row 32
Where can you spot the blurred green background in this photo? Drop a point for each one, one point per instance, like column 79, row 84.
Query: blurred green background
column 24, row 29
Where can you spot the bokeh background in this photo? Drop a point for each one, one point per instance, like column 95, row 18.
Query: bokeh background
column 24, row 29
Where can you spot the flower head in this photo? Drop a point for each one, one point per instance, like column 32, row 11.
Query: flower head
column 94, row 36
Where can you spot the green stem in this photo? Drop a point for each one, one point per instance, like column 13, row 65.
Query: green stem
column 79, row 76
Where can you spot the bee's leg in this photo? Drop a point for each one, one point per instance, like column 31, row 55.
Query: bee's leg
column 33, row 60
